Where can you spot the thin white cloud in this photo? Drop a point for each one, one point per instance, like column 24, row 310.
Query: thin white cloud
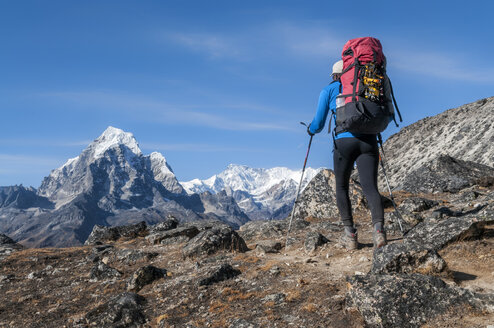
column 314, row 39
column 107, row 99
column 219, row 116
column 220, row 122
column 9, row 161
column 43, row 142
column 195, row 147
column 442, row 65
column 271, row 40
column 215, row 46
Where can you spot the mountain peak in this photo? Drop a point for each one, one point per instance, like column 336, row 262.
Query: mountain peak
column 113, row 136
column 159, row 161
column 232, row 166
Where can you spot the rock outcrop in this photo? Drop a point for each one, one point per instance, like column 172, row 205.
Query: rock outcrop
column 408, row 300
column 102, row 271
column 123, row 310
column 318, row 200
column 101, row 234
column 209, row 241
column 144, row 276
column 464, row 133
column 218, row 274
column 446, row 174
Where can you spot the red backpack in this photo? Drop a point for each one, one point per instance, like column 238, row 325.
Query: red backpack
column 366, row 89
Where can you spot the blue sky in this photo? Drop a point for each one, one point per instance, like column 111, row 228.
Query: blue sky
column 209, row 83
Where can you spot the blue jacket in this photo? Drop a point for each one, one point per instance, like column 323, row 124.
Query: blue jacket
column 327, row 101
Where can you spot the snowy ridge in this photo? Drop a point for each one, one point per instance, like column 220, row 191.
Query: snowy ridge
column 114, row 137
column 163, row 173
column 252, row 180
column 263, row 194
column 121, row 150
column 111, row 137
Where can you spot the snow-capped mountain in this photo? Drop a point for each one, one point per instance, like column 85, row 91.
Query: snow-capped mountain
column 110, row 183
column 113, row 167
column 113, row 183
column 261, row 193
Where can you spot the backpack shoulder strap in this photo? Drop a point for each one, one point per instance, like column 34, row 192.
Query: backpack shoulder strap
column 394, row 101
column 333, row 114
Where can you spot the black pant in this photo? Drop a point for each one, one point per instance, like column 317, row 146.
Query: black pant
column 365, row 152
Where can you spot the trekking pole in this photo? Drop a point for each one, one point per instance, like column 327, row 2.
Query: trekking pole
column 381, row 160
column 298, row 190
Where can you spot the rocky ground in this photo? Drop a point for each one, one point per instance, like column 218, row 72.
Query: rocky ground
column 204, row 274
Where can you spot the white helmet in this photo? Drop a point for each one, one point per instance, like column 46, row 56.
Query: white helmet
column 337, row 67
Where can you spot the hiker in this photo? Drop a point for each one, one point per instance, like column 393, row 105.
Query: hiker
column 350, row 148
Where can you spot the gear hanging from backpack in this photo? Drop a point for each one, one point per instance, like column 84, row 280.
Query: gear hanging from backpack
column 366, row 89
column 373, row 82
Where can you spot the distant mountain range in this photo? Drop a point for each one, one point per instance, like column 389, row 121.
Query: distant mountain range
column 260, row 193
column 112, row 183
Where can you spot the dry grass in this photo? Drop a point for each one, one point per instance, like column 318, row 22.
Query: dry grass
column 241, row 296
column 229, row 291
column 309, row 307
column 200, row 322
column 270, row 313
column 236, row 295
column 162, row 317
column 219, row 323
column 247, row 258
column 292, row 296
column 218, row 307
column 268, row 266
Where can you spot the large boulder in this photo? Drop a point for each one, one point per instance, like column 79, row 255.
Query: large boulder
column 313, row 240
column 417, row 204
column 268, row 246
column 144, row 276
column 407, row 257
column 102, row 234
column 409, row 300
column 217, row 274
column 177, row 235
column 464, row 133
column 169, row 224
column 418, row 252
column 446, row 174
column 102, row 271
column 124, row 310
column 216, row 238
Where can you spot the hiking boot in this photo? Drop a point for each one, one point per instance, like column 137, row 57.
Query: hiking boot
column 349, row 239
column 379, row 238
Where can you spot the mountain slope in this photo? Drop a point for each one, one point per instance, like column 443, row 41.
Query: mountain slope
column 465, row 133
column 114, row 170
column 111, row 182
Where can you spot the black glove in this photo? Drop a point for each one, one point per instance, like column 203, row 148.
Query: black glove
column 308, row 131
